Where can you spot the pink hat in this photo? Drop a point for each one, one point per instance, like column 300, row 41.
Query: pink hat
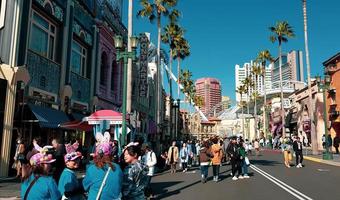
column 104, row 149
column 72, row 156
column 40, row 158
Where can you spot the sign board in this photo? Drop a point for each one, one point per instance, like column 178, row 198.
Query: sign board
column 143, row 65
column 98, row 122
column 2, row 13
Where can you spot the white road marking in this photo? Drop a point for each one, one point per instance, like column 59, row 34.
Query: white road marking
column 323, row 170
column 281, row 184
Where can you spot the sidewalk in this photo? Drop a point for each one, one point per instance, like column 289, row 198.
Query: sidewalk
column 307, row 154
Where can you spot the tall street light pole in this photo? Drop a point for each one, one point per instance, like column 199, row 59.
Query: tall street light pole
column 324, row 87
column 125, row 55
column 129, row 66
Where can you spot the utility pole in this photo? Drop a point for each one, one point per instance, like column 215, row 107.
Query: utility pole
column 129, row 66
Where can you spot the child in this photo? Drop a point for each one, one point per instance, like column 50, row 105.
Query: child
column 135, row 174
column 68, row 185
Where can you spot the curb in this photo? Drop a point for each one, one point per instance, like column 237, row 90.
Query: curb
column 337, row 164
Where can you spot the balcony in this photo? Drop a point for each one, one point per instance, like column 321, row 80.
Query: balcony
column 80, row 88
column 40, row 68
column 331, row 69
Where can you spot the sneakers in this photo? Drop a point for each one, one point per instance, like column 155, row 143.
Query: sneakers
column 246, row 176
column 240, row 177
column 235, row 178
column 299, row 165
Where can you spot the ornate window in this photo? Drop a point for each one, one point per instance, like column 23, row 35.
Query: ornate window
column 43, row 36
column 114, row 76
column 103, row 69
column 79, row 54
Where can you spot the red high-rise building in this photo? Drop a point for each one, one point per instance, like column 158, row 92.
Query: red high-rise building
column 210, row 90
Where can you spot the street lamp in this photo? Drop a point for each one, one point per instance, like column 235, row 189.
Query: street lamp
column 125, row 55
column 323, row 87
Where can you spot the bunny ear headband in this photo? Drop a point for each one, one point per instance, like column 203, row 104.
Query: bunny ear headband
column 71, row 148
column 104, row 147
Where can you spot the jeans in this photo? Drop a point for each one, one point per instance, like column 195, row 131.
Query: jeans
column 204, row 170
column 244, row 167
column 148, row 190
column 235, row 166
column 184, row 166
column 298, row 157
column 216, row 170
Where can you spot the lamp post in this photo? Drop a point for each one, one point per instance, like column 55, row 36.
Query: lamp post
column 322, row 87
column 125, row 55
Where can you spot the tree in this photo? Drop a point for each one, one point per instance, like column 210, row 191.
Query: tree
column 199, row 101
column 154, row 10
column 256, row 71
column 181, row 51
column 172, row 34
column 242, row 90
column 311, row 108
column 281, row 32
column 262, row 58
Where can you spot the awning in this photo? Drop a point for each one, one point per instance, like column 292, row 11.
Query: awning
column 48, row 117
column 108, row 115
column 76, row 125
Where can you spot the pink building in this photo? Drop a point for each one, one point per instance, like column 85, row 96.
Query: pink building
column 210, row 90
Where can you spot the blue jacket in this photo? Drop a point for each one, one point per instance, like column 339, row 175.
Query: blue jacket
column 94, row 178
column 68, row 182
column 184, row 154
column 135, row 181
column 44, row 188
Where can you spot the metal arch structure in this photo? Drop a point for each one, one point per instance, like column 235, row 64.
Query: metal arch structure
column 287, row 87
column 212, row 111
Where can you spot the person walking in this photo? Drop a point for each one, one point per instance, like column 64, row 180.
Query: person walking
column 336, row 142
column 216, row 150
column 243, row 157
column 329, row 142
column 297, row 146
column 234, row 158
column 37, row 184
column 150, row 160
column 257, row 147
column 286, row 149
column 59, row 154
column 205, row 156
column 184, row 155
column 173, row 157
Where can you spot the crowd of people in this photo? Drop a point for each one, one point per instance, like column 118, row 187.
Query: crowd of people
column 49, row 172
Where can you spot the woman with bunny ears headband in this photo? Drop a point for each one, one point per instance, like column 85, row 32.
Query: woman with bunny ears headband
column 103, row 179
column 37, row 184
column 68, row 184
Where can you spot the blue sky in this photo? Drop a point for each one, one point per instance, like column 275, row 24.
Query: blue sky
column 223, row 33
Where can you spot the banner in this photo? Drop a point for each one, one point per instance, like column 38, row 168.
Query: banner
column 143, row 65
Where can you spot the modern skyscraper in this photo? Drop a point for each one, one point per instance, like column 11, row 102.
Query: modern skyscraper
column 210, row 90
column 242, row 73
column 292, row 67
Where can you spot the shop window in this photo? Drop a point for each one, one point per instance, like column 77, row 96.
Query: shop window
column 103, row 69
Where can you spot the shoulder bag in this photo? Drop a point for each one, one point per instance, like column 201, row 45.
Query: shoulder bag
column 30, row 186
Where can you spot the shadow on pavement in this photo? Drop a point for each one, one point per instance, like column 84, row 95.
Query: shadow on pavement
column 164, row 192
column 265, row 162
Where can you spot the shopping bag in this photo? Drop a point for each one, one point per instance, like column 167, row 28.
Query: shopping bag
column 246, row 160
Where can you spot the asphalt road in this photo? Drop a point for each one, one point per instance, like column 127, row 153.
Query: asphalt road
column 269, row 179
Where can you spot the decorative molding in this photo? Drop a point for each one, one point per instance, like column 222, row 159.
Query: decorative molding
column 57, row 11
column 78, row 30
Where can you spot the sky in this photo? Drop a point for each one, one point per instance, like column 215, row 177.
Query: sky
column 223, row 33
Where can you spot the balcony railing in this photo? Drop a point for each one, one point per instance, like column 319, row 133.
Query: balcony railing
column 80, row 88
column 40, row 68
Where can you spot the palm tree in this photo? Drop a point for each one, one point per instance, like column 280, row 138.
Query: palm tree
column 241, row 90
column 199, row 101
column 311, row 110
column 281, row 32
column 248, row 83
column 256, row 71
column 262, row 58
column 154, row 10
column 181, row 51
column 172, row 34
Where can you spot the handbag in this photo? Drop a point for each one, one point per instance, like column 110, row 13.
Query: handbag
column 246, row 160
